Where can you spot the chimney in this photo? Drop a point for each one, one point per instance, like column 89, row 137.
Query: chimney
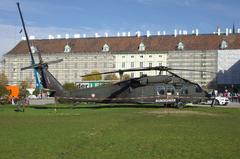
column 58, row 36
column 180, row 32
column 138, row 33
column 148, row 33
column 50, row 37
column 175, row 32
column 230, row 31
column 226, row 31
column 106, row 34
column 197, row 32
column 31, row 37
column 96, row 35
column 218, row 31
column 77, row 36
column 66, row 36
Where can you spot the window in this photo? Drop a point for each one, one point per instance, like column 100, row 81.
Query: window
column 141, row 56
column 180, row 46
column 123, row 57
column 105, row 64
column 67, row 48
column 160, row 90
column 75, row 75
column 198, row 89
column 224, row 44
column 150, row 64
column 85, row 65
column 132, row 64
column 132, row 75
column 170, row 90
column 105, row 48
column 141, row 64
column 141, row 74
column 123, row 64
column 150, row 56
column 141, row 47
column 184, row 90
column 132, row 56
column 159, row 64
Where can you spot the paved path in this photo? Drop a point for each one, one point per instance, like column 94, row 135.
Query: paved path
column 230, row 105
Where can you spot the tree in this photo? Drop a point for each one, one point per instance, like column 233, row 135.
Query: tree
column 3, row 91
column 126, row 77
column 23, row 89
column 25, row 84
column 93, row 77
column 3, row 79
column 111, row 77
column 69, row 86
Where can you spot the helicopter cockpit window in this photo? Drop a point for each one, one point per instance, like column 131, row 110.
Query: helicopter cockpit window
column 170, row 90
column 198, row 89
column 161, row 90
column 184, row 90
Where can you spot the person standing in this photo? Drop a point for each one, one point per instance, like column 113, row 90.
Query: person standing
column 213, row 98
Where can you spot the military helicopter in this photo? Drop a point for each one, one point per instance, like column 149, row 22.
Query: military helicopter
column 168, row 89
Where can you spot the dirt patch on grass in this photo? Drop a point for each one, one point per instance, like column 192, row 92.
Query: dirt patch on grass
column 182, row 112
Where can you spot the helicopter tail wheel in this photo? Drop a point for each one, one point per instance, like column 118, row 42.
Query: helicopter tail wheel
column 180, row 105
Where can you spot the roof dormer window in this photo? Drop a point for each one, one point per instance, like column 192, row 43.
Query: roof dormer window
column 224, row 44
column 33, row 49
column 105, row 48
column 180, row 46
column 141, row 47
column 67, row 48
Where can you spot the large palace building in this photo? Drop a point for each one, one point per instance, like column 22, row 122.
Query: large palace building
column 211, row 52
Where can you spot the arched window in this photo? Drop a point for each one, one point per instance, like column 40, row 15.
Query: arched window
column 67, row 48
column 105, row 48
column 180, row 46
column 141, row 47
column 224, row 44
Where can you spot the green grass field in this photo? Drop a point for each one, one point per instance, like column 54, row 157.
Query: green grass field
column 120, row 132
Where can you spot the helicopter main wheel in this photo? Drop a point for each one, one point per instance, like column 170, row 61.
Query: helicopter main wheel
column 180, row 105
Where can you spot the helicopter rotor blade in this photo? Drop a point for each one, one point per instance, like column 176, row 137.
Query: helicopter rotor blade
column 41, row 64
column 158, row 68
column 191, row 70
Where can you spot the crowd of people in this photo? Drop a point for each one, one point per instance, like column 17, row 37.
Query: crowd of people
column 232, row 96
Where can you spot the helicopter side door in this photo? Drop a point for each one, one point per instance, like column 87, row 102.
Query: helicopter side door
column 165, row 94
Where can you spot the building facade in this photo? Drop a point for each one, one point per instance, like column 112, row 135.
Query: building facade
column 140, row 60
column 196, row 60
column 83, row 55
column 228, row 67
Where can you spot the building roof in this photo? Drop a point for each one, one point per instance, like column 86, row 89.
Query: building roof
column 131, row 44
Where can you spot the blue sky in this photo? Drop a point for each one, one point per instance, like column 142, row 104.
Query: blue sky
column 44, row 17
